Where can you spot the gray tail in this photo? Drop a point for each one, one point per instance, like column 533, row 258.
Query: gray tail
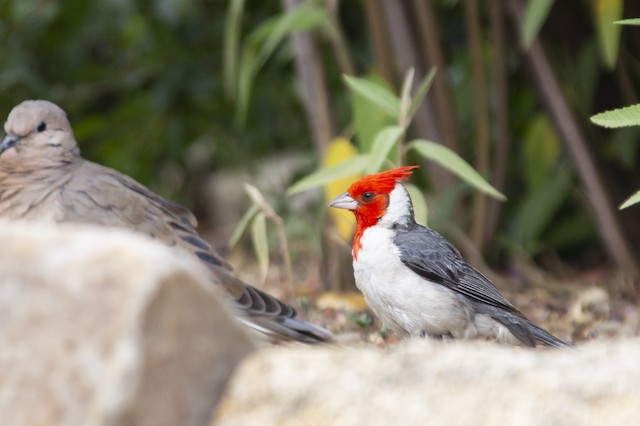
column 525, row 331
column 547, row 338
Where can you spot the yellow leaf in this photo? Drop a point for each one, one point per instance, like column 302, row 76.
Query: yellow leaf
column 340, row 149
column 350, row 302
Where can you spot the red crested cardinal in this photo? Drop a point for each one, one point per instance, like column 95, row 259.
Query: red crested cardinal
column 415, row 281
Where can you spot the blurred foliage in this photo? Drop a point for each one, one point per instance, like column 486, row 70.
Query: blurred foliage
column 142, row 84
column 149, row 88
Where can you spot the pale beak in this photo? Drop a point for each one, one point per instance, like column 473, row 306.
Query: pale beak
column 9, row 141
column 344, row 201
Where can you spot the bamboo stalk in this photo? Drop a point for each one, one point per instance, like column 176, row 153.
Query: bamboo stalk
column 501, row 116
column 481, row 109
column 315, row 95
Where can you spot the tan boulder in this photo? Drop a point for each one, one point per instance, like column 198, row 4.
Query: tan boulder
column 103, row 327
column 435, row 383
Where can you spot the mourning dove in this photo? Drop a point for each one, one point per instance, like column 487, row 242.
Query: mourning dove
column 44, row 178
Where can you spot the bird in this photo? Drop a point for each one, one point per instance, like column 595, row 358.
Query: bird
column 416, row 281
column 44, row 178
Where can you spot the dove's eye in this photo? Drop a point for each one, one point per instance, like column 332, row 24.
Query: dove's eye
column 41, row 127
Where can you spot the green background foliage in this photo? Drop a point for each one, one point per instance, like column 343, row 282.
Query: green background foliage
column 168, row 91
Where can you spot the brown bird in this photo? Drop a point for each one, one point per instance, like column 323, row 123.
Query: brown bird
column 44, row 178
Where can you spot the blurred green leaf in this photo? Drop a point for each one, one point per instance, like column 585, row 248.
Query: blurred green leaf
column 405, row 98
column 567, row 232
column 232, row 27
column 384, row 142
column 534, row 17
column 261, row 243
column 375, row 92
column 262, row 42
column 323, row 176
column 453, row 162
column 540, row 206
column 422, row 91
column 243, row 224
column 369, row 118
column 420, row 208
column 541, row 151
column 632, row 21
column 256, row 196
column 634, row 199
column 606, row 12
column 621, row 117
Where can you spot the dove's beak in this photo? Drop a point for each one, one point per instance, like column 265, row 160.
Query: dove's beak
column 9, row 141
column 344, row 201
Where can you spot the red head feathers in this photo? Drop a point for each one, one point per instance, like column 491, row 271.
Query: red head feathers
column 368, row 198
column 382, row 182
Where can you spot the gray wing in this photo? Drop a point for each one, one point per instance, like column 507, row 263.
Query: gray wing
column 431, row 256
column 102, row 196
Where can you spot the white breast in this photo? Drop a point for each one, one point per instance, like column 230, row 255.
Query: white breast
column 406, row 302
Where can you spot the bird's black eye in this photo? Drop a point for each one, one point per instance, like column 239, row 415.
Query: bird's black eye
column 367, row 196
column 41, row 127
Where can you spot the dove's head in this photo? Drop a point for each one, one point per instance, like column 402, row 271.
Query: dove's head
column 38, row 134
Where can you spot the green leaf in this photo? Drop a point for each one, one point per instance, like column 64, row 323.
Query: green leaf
column 634, row 199
column 621, row 117
column 534, row 16
column 384, row 142
column 541, row 151
column 325, row 175
column 260, row 243
column 231, row 42
column 369, row 118
column 376, row 93
column 405, row 98
column 255, row 195
column 632, row 21
column 605, row 13
column 540, row 206
column 453, row 162
column 420, row 209
column 263, row 41
column 243, row 224
column 422, row 91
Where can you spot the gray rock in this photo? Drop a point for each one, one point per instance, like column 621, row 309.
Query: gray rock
column 103, row 327
column 435, row 383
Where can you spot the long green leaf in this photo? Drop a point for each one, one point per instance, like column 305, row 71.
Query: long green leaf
column 632, row 21
column 634, row 199
column 369, row 118
column 375, row 92
column 264, row 39
column 384, row 142
column 534, row 16
column 231, row 43
column 260, row 243
column 422, row 91
column 243, row 224
column 323, row 176
column 453, row 162
column 255, row 195
column 606, row 12
column 621, row 117
column 405, row 98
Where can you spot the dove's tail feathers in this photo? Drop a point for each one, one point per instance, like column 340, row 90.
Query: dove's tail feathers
column 280, row 328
